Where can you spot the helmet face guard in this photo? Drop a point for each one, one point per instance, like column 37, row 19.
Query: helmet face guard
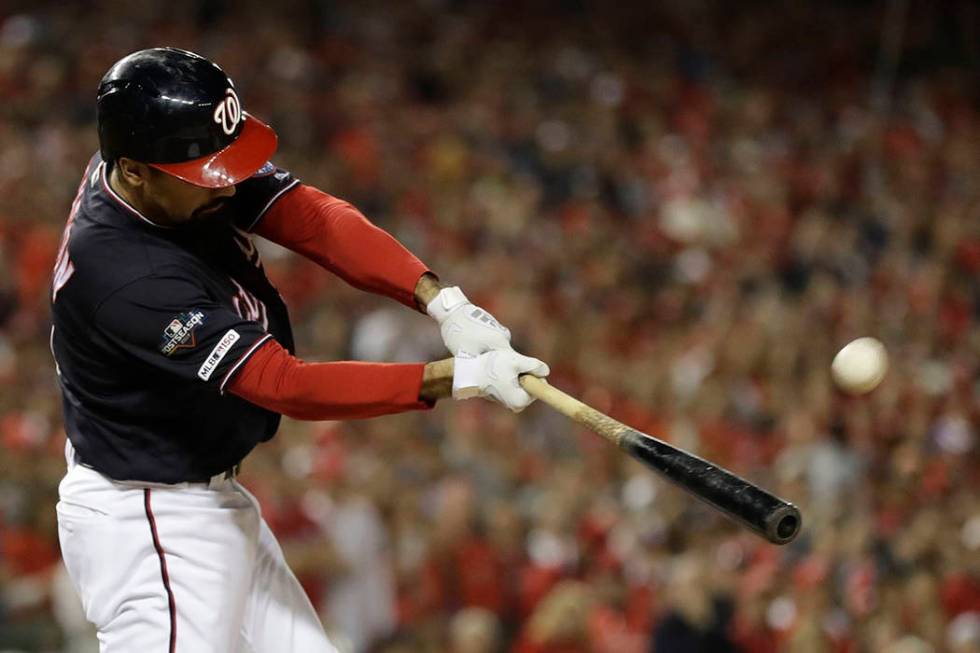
column 181, row 114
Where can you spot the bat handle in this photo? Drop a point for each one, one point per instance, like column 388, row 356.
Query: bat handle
column 574, row 409
column 540, row 389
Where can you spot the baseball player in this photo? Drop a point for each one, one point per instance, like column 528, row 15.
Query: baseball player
column 175, row 358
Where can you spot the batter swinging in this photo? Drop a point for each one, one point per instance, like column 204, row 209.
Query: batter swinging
column 175, row 358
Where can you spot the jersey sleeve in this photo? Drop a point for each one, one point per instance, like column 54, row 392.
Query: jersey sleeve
column 334, row 234
column 256, row 195
column 277, row 381
column 170, row 324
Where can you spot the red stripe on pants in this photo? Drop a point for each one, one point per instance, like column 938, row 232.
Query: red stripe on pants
column 163, row 569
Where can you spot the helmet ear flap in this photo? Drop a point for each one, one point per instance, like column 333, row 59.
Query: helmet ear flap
column 117, row 127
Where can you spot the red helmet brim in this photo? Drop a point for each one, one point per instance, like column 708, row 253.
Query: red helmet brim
column 254, row 146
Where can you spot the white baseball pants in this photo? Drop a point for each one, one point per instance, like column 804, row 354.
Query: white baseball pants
column 189, row 568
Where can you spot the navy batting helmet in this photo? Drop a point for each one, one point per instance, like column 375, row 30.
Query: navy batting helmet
column 180, row 113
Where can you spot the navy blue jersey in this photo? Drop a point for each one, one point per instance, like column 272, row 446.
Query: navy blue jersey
column 150, row 325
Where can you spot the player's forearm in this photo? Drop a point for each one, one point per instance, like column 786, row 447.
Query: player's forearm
column 277, row 381
column 426, row 289
column 437, row 380
column 337, row 236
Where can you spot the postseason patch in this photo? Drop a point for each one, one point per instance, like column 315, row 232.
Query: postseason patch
column 179, row 334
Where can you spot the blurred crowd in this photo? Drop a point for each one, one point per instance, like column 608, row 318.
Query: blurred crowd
column 684, row 209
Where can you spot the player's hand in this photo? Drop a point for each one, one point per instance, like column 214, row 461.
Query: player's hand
column 465, row 328
column 494, row 375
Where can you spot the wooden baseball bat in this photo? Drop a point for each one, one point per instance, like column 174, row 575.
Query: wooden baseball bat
column 773, row 518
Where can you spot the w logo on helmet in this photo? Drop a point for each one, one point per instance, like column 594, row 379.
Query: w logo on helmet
column 229, row 112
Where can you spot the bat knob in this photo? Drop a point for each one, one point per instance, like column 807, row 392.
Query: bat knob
column 783, row 524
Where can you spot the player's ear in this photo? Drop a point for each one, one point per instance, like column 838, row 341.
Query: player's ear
column 133, row 172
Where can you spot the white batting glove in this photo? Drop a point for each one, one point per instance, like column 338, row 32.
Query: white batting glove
column 465, row 328
column 494, row 375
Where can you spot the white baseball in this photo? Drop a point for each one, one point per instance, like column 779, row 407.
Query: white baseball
column 860, row 366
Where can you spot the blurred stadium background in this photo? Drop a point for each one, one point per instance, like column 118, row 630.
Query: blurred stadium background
column 685, row 207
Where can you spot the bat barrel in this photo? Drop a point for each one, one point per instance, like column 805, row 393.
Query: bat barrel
column 771, row 517
column 783, row 524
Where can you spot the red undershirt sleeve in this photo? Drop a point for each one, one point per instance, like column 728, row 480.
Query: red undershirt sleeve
column 337, row 236
column 275, row 380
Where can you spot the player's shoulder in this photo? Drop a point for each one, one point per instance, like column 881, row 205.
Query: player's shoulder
column 109, row 249
column 256, row 195
column 105, row 262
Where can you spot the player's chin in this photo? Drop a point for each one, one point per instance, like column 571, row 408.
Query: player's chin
column 209, row 211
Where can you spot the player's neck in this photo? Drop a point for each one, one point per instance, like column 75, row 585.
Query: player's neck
column 131, row 198
column 122, row 190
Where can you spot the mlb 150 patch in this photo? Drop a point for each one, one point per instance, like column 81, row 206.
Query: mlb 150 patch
column 179, row 334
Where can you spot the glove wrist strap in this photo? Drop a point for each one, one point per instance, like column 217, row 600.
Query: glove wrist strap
column 447, row 301
column 466, row 377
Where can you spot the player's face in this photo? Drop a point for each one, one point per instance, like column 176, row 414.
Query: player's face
column 184, row 202
column 167, row 200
